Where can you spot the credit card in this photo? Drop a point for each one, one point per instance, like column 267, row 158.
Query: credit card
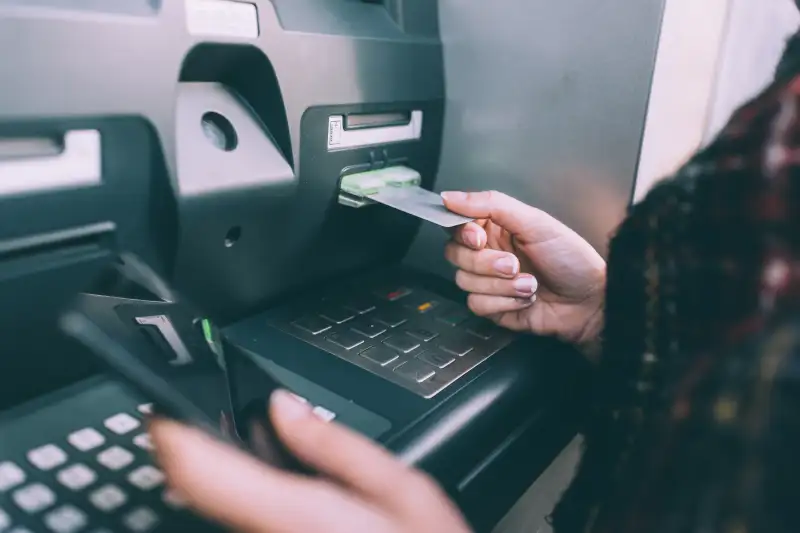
column 420, row 203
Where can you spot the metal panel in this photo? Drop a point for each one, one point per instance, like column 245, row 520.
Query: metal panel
column 546, row 101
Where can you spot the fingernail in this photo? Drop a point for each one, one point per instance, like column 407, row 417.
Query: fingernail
column 287, row 406
column 472, row 239
column 507, row 265
column 525, row 285
column 453, row 195
column 526, row 301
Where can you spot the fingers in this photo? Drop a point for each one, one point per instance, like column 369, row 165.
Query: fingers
column 239, row 491
column 482, row 262
column 344, row 455
column 471, row 235
column 509, row 213
column 523, row 286
column 486, row 305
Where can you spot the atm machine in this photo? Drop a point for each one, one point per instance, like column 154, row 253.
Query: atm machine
column 212, row 139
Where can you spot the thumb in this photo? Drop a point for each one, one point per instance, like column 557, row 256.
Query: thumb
column 509, row 213
column 337, row 451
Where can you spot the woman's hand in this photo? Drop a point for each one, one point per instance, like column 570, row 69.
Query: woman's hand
column 524, row 269
column 364, row 488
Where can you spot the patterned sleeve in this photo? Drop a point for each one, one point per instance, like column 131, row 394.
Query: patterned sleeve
column 696, row 422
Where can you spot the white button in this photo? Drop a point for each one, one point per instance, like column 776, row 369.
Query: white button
column 5, row 520
column 142, row 519
column 143, row 441
column 121, row 423
column 86, row 439
column 108, row 497
column 34, row 498
column 146, row 477
column 173, row 499
column 323, row 413
column 145, row 408
column 76, row 477
column 299, row 398
column 47, row 457
column 66, row 519
column 115, row 458
column 10, row 476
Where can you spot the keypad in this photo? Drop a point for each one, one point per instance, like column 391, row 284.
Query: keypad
column 410, row 336
column 453, row 318
column 422, row 334
column 381, row 355
column 457, row 347
column 96, row 477
column 346, row 340
column 393, row 293
column 390, row 317
column 437, row 359
column 402, row 343
column 312, row 324
column 360, row 305
column 483, row 329
column 368, row 328
column 415, row 370
column 337, row 315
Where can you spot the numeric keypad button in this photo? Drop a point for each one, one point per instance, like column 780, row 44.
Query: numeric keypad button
column 115, row 458
column 47, row 457
column 66, row 519
column 34, row 498
column 86, row 439
column 121, row 424
column 11, row 476
column 108, row 498
column 141, row 520
column 76, row 477
column 143, row 441
column 146, row 477
column 323, row 413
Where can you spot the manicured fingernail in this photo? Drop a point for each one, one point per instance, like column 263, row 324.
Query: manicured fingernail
column 507, row 265
column 287, row 406
column 453, row 195
column 473, row 239
column 525, row 285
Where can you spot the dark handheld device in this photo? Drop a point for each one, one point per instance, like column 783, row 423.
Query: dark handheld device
column 181, row 362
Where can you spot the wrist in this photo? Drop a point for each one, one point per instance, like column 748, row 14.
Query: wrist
column 590, row 340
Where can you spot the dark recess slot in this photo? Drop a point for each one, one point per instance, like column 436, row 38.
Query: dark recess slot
column 249, row 73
